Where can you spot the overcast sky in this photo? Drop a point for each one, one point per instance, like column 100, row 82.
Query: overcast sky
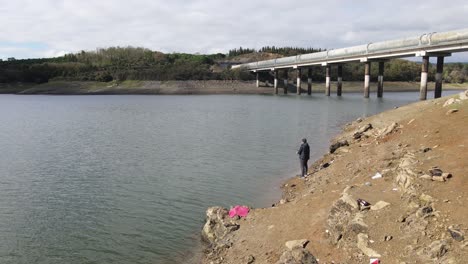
column 46, row 28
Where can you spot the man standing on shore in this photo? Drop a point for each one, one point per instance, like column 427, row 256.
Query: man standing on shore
column 304, row 153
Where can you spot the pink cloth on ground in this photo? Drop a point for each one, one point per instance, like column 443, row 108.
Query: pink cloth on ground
column 239, row 210
column 232, row 212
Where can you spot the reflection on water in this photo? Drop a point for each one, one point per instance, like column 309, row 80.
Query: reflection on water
column 126, row 179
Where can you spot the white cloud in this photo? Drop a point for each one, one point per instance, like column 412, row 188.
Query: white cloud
column 217, row 25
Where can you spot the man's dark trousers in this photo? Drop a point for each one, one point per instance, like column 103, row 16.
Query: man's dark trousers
column 304, row 167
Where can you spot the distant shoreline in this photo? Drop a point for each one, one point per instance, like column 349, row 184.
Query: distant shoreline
column 193, row 87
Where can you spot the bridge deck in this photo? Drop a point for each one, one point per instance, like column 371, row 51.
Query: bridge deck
column 431, row 44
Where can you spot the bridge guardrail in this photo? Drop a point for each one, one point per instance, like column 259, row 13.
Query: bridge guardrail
column 428, row 40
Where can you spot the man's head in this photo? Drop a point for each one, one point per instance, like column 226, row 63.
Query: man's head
column 304, row 140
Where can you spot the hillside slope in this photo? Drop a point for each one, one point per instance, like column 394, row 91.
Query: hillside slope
column 414, row 217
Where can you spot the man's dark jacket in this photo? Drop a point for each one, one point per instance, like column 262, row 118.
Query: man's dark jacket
column 304, row 151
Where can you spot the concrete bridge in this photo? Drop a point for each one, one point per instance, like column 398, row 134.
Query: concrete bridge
column 438, row 45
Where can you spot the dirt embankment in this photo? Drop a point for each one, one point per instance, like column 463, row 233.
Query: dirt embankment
column 136, row 87
column 190, row 87
column 417, row 211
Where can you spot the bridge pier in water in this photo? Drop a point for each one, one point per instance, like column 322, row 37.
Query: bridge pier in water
column 367, row 78
column 298, row 80
column 327, row 80
column 258, row 80
column 438, row 77
column 339, row 83
column 275, row 81
column 309, row 81
column 424, row 69
column 285, row 75
column 380, row 79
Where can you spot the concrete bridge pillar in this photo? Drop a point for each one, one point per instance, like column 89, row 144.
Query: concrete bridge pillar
column 298, row 81
column 327, row 80
column 258, row 80
column 380, row 80
column 424, row 69
column 339, row 83
column 285, row 91
column 438, row 77
column 367, row 67
column 275, row 82
column 309, row 81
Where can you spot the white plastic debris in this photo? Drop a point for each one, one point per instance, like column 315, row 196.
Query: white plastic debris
column 377, row 176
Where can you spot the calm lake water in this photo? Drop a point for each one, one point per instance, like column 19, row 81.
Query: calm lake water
column 127, row 179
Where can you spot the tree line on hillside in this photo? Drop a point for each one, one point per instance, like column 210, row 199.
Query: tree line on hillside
column 129, row 63
column 285, row 51
column 117, row 63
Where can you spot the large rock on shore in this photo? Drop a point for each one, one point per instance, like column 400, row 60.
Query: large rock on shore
column 388, row 130
column 360, row 132
column 296, row 253
column 435, row 251
column 338, row 145
column 296, row 244
column 340, row 219
column 362, row 244
column 464, row 95
column 297, row 256
column 218, row 225
column 454, row 100
column 405, row 173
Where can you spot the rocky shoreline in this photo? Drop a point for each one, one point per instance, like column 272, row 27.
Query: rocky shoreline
column 392, row 187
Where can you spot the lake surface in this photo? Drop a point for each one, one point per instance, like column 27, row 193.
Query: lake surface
column 127, row 179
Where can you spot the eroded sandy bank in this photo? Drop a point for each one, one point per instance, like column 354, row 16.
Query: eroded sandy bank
column 416, row 216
